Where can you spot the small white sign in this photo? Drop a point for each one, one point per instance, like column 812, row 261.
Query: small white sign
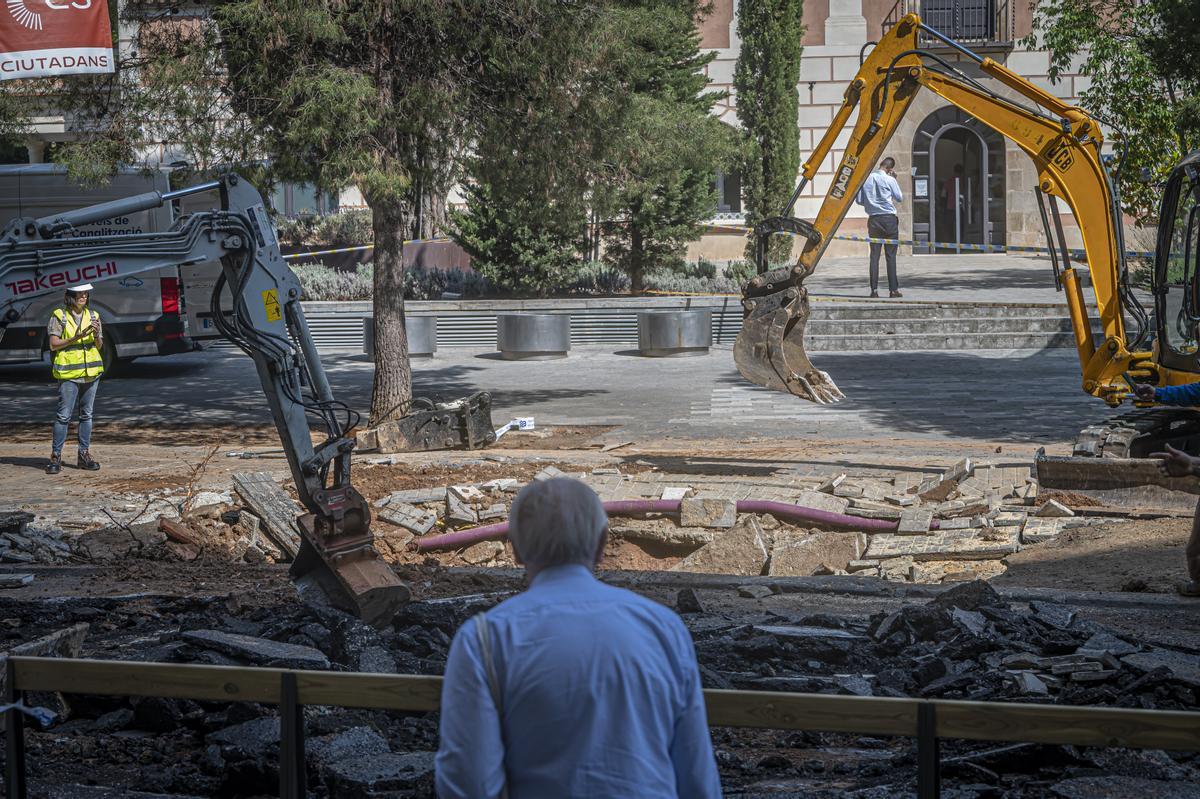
column 524, row 422
column 921, row 187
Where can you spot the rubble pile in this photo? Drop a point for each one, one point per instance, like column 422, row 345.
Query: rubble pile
column 967, row 643
column 23, row 540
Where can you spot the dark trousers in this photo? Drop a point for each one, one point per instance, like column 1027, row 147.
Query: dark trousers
column 884, row 226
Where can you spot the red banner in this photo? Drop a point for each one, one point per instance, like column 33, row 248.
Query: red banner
column 54, row 37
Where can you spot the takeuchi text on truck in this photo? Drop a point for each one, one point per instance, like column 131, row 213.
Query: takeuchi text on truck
column 65, row 278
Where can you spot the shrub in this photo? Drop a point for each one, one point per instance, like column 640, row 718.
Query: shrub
column 323, row 284
column 344, row 229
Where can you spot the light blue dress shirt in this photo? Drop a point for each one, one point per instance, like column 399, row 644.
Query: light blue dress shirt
column 601, row 698
column 879, row 194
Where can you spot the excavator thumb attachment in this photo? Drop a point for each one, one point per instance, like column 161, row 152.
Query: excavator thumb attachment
column 769, row 349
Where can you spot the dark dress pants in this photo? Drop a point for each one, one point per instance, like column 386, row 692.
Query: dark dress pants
column 884, row 226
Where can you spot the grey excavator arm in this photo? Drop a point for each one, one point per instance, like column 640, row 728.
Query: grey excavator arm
column 267, row 323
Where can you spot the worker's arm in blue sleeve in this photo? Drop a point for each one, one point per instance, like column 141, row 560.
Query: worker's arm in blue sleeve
column 1186, row 395
column 691, row 748
column 897, row 195
column 470, row 758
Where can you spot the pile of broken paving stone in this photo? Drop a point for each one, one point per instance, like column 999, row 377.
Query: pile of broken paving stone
column 967, row 643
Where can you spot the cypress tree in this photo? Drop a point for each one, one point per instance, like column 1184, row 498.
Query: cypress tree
column 766, row 80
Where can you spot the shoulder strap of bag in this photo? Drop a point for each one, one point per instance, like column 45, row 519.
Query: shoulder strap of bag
column 483, row 630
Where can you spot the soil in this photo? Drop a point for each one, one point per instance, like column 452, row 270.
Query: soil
column 1110, row 557
column 375, row 482
column 1072, row 499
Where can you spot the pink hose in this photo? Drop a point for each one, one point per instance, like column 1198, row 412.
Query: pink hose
column 632, row 507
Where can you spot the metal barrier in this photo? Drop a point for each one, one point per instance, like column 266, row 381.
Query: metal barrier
column 926, row 720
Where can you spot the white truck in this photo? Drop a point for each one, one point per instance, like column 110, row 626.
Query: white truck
column 143, row 314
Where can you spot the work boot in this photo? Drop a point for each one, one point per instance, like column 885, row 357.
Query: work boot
column 85, row 462
column 895, row 294
column 55, row 464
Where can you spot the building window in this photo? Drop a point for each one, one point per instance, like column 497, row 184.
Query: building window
column 962, row 20
column 729, row 192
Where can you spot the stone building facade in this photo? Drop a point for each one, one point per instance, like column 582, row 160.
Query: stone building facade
column 962, row 181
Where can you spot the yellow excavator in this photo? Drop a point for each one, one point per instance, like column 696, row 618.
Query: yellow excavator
column 1065, row 143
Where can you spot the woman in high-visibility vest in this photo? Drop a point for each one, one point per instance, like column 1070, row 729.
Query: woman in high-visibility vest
column 75, row 340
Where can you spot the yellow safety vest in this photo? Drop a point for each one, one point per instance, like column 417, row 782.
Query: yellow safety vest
column 81, row 359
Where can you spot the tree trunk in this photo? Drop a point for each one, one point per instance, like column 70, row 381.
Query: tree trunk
column 637, row 258
column 391, row 394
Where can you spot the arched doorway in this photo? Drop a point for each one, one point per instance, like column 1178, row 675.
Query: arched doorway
column 958, row 184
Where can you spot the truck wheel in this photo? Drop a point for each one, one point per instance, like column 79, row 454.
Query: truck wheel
column 113, row 366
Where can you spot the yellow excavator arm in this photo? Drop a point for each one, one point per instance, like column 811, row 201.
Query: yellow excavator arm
column 1064, row 142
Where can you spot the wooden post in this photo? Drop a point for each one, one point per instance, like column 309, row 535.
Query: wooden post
column 929, row 778
column 14, row 736
column 293, row 777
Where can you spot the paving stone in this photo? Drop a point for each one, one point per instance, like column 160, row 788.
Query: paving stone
column 862, row 565
column 1110, row 644
column 754, row 591
column 483, row 552
column 414, row 496
column 804, row 554
column 715, row 513
column 259, row 650
column 1008, row 519
column 740, row 551
column 959, row 471
column 963, row 523
column 936, row 489
column 827, row 486
column 675, row 492
column 1037, row 530
column 459, row 512
column 1054, row 510
column 326, row 750
column 492, row 512
column 508, row 484
column 409, row 517
column 946, row 545
column 819, row 501
column 1185, row 668
column 372, row 775
column 848, row 490
column 875, row 490
column 549, row 473
column 915, row 521
column 903, row 500
column 1029, row 683
column 466, row 493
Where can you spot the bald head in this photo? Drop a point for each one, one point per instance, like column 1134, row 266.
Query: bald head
column 557, row 522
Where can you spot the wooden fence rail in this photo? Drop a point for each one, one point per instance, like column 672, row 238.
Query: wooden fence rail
column 926, row 720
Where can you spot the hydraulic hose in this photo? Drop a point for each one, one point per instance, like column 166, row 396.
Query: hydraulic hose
column 633, row 507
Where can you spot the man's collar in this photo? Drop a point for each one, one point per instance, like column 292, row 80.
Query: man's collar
column 565, row 573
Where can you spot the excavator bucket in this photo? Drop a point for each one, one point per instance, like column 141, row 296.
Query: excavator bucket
column 769, row 349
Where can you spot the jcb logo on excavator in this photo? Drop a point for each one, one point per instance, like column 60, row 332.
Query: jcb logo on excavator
column 1060, row 156
column 842, row 182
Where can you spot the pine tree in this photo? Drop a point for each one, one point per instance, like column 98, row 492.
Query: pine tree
column 766, row 80
column 665, row 147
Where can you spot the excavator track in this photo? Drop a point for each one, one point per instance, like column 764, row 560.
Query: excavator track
column 1138, row 433
column 1111, row 462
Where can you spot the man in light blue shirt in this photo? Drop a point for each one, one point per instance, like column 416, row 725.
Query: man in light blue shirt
column 573, row 688
column 879, row 195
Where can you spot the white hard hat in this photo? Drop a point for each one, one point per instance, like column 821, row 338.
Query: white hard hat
column 81, row 287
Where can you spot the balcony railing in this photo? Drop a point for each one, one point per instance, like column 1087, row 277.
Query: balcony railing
column 978, row 22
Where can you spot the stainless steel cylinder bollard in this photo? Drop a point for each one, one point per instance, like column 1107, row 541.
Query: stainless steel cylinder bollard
column 422, row 336
column 672, row 334
column 533, row 337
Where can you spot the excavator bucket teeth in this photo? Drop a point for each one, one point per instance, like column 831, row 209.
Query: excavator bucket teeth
column 769, row 349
